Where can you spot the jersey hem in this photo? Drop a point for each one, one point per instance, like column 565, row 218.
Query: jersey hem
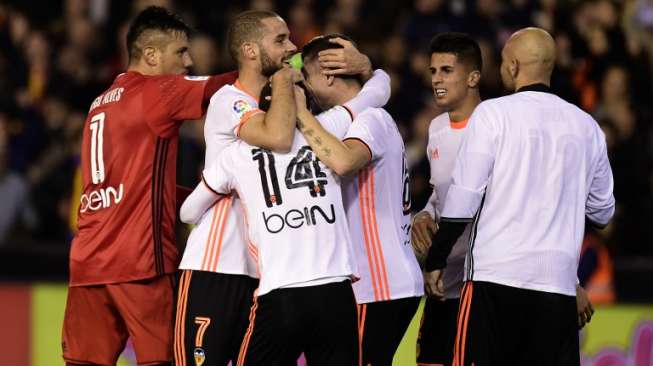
column 395, row 297
column 525, row 286
column 112, row 282
column 226, row 272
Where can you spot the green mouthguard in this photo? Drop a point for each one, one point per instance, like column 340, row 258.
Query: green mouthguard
column 296, row 61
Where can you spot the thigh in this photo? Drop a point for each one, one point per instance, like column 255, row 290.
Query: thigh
column 481, row 328
column 551, row 336
column 273, row 334
column 147, row 308
column 212, row 317
column 437, row 332
column 332, row 338
column 93, row 329
column 383, row 325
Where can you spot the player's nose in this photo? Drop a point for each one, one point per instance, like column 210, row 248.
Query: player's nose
column 291, row 47
column 188, row 61
column 436, row 78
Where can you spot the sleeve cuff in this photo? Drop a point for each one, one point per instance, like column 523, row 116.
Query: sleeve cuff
column 246, row 117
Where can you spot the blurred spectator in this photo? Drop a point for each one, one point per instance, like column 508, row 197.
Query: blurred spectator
column 301, row 23
column 630, row 166
column 14, row 190
column 595, row 270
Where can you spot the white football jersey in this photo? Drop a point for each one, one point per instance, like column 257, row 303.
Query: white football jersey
column 296, row 224
column 217, row 243
column 530, row 169
column 377, row 201
column 445, row 138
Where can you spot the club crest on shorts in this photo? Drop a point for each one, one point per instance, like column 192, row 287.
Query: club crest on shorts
column 199, row 356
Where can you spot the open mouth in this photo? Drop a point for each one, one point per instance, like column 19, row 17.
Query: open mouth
column 440, row 92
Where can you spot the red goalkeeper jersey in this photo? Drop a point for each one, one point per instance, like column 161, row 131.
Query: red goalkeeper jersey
column 128, row 162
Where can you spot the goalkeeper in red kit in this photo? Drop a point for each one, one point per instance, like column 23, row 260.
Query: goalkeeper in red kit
column 123, row 258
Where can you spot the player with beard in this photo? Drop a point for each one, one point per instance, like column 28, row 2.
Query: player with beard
column 217, row 259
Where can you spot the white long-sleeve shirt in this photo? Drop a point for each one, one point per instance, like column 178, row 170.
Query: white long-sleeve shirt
column 530, row 169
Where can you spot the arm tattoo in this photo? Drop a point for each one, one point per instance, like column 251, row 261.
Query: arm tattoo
column 318, row 140
column 308, row 132
column 326, row 151
column 300, row 125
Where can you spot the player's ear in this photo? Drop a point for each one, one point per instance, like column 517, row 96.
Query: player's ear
column 330, row 79
column 151, row 55
column 514, row 68
column 249, row 50
column 473, row 79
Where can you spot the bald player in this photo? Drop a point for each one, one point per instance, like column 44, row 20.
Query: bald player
column 532, row 169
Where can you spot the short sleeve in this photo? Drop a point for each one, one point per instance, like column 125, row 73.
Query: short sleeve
column 218, row 176
column 369, row 129
column 473, row 168
column 169, row 99
column 336, row 121
column 229, row 110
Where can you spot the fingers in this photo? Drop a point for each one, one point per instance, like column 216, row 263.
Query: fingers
column 432, row 227
column 418, row 245
column 439, row 287
column 433, row 284
column 585, row 315
column 581, row 320
column 333, row 65
column 299, row 91
column 420, row 233
column 331, row 55
column 342, row 42
column 431, row 289
column 589, row 312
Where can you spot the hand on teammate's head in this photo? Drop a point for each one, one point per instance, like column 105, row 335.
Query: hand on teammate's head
column 344, row 61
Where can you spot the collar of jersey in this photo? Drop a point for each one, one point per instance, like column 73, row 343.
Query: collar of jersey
column 539, row 87
column 240, row 87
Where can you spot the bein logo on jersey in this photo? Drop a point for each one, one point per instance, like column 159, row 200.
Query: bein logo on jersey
column 294, row 219
column 102, row 198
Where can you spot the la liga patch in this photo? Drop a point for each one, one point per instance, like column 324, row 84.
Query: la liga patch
column 241, row 107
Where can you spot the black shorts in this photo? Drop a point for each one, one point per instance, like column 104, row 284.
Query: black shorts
column 437, row 332
column 317, row 320
column 508, row 326
column 212, row 317
column 381, row 326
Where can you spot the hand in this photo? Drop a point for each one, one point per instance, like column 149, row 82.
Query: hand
column 433, row 283
column 423, row 229
column 287, row 75
column 344, row 61
column 583, row 306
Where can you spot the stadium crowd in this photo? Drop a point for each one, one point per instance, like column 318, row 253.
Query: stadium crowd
column 56, row 57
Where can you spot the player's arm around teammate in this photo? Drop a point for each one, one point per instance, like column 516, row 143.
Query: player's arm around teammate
column 274, row 129
column 343, row 157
